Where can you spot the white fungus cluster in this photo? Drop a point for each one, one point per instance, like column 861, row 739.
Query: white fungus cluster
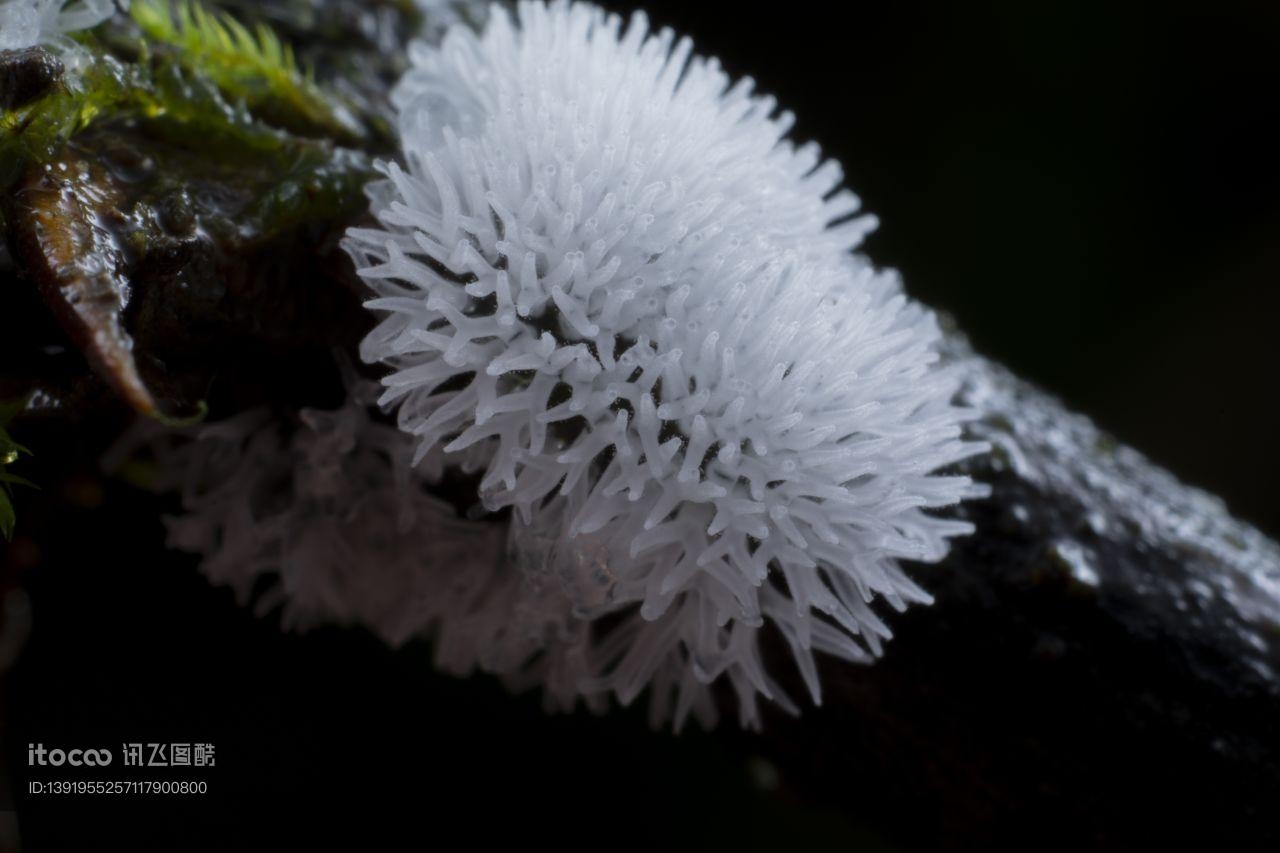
column 604, row 271
column 324, row 520
column 26, row 23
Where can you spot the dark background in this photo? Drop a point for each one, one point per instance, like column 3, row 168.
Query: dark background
column 1091, row 189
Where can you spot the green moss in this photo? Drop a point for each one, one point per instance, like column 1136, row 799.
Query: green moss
column 178, row 102
column 250, row 66
column 309, row 178
column 154, row 89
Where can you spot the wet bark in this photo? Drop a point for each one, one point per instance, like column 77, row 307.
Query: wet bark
column 1099, row 667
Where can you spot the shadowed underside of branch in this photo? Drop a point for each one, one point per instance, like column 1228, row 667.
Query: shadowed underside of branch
column 1099, row 666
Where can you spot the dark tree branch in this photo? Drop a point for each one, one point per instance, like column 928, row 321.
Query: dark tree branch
column 1100, row 664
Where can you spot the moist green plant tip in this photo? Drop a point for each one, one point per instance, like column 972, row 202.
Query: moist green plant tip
column 249, row 65
column 10, row 451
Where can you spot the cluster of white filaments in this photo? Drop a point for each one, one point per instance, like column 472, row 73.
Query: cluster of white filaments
column 323, row 521
column 330, row 510
column 605, row 272
column 26, row 23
